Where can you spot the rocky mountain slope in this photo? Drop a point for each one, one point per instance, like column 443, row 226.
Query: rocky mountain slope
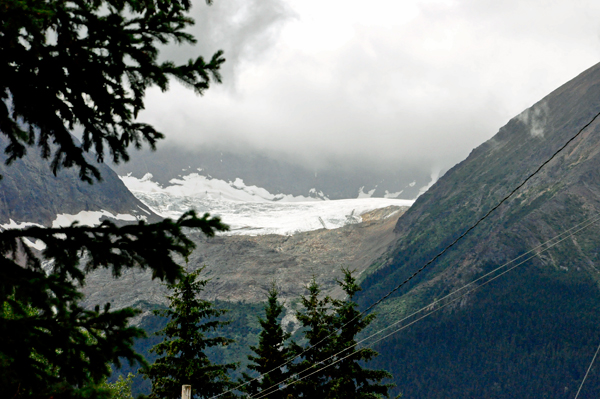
column 241, row 268
column 29, row 192
column 533, row 332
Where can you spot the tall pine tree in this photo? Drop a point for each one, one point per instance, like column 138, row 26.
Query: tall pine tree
column 270, row 353
column 85, row 64
column 331, row 365
column 350, row 377
column 182, row 354
column 318, row 321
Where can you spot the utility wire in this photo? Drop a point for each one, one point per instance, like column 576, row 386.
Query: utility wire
column 482, row 218
column 587, row 372
column 270, row 389
column 423, row 267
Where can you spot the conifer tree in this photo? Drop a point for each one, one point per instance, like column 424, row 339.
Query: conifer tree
column 85, row 64
column 182, row 354
column 270, row 352
column 318, row 321
column 331, row 327
column 350, row 377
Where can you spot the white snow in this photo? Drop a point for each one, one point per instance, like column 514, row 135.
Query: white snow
column 38, row 244
column 392, row 195
column 20, row 225
column 249, row 209
column 198, row 186
column 314, row 194
column 88, row 218
column 368, row 194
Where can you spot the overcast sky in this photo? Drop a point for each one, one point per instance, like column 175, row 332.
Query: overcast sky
column 381, row 82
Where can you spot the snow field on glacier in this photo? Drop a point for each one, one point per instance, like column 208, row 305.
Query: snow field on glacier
column 251, row 210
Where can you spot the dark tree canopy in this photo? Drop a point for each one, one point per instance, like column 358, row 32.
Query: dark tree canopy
column 182, row 354
column 61, row 347
column 86, row 64
column 83, row 64
column 350, row 378
column 331, row 366
column 270, row 353
column 318, row 322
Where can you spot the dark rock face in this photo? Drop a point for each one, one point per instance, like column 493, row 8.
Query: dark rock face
column 565, row 193
column 29, row 191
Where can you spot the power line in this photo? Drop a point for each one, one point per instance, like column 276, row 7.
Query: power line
column 597, row 218
column 424, row 266
column 587, row 372
column 569, row 232
column 482, row 218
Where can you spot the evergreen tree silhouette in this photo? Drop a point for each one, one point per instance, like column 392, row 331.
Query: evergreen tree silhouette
column 182, row 354
column 65, row 65
column 270, row 353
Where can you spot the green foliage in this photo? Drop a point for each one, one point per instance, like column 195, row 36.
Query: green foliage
column 270, row 352
column 182, row 359
column 88, row 64
column 244, row 328
column 120, row 389
column 346, row 375
column 318, row 321
column 60, row 331
column 528, row 335
column 350, row 379
column 265, row 338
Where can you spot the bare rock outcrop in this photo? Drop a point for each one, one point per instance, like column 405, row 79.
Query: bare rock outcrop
column 241, row 268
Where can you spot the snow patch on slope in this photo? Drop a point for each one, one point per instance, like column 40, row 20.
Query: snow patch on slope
column 38, row 244
column 20, row 225
column 89, row 218
column 368, row 194
column 392, row 195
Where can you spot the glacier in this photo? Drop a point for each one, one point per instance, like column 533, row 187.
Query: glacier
column 252, row 210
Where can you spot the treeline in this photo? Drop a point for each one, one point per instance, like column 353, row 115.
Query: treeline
column 321, row 360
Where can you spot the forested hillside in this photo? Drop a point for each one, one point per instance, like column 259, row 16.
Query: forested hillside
column 533, row 331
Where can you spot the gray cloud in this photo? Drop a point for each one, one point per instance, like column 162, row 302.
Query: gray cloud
column 535, row 118
column 420, row 83
column 243, row 29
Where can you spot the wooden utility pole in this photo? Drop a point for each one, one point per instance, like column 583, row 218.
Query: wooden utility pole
column 186, row 392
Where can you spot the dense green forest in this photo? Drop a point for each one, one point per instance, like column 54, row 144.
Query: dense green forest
column 248, row 351
column 528, row 334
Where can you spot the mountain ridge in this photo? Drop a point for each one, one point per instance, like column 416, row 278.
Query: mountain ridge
column 564, row 193
column 276, row 175
column 31, row 193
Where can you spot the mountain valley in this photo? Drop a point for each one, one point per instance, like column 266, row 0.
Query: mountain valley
column 241, row 268
column 527, row 333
